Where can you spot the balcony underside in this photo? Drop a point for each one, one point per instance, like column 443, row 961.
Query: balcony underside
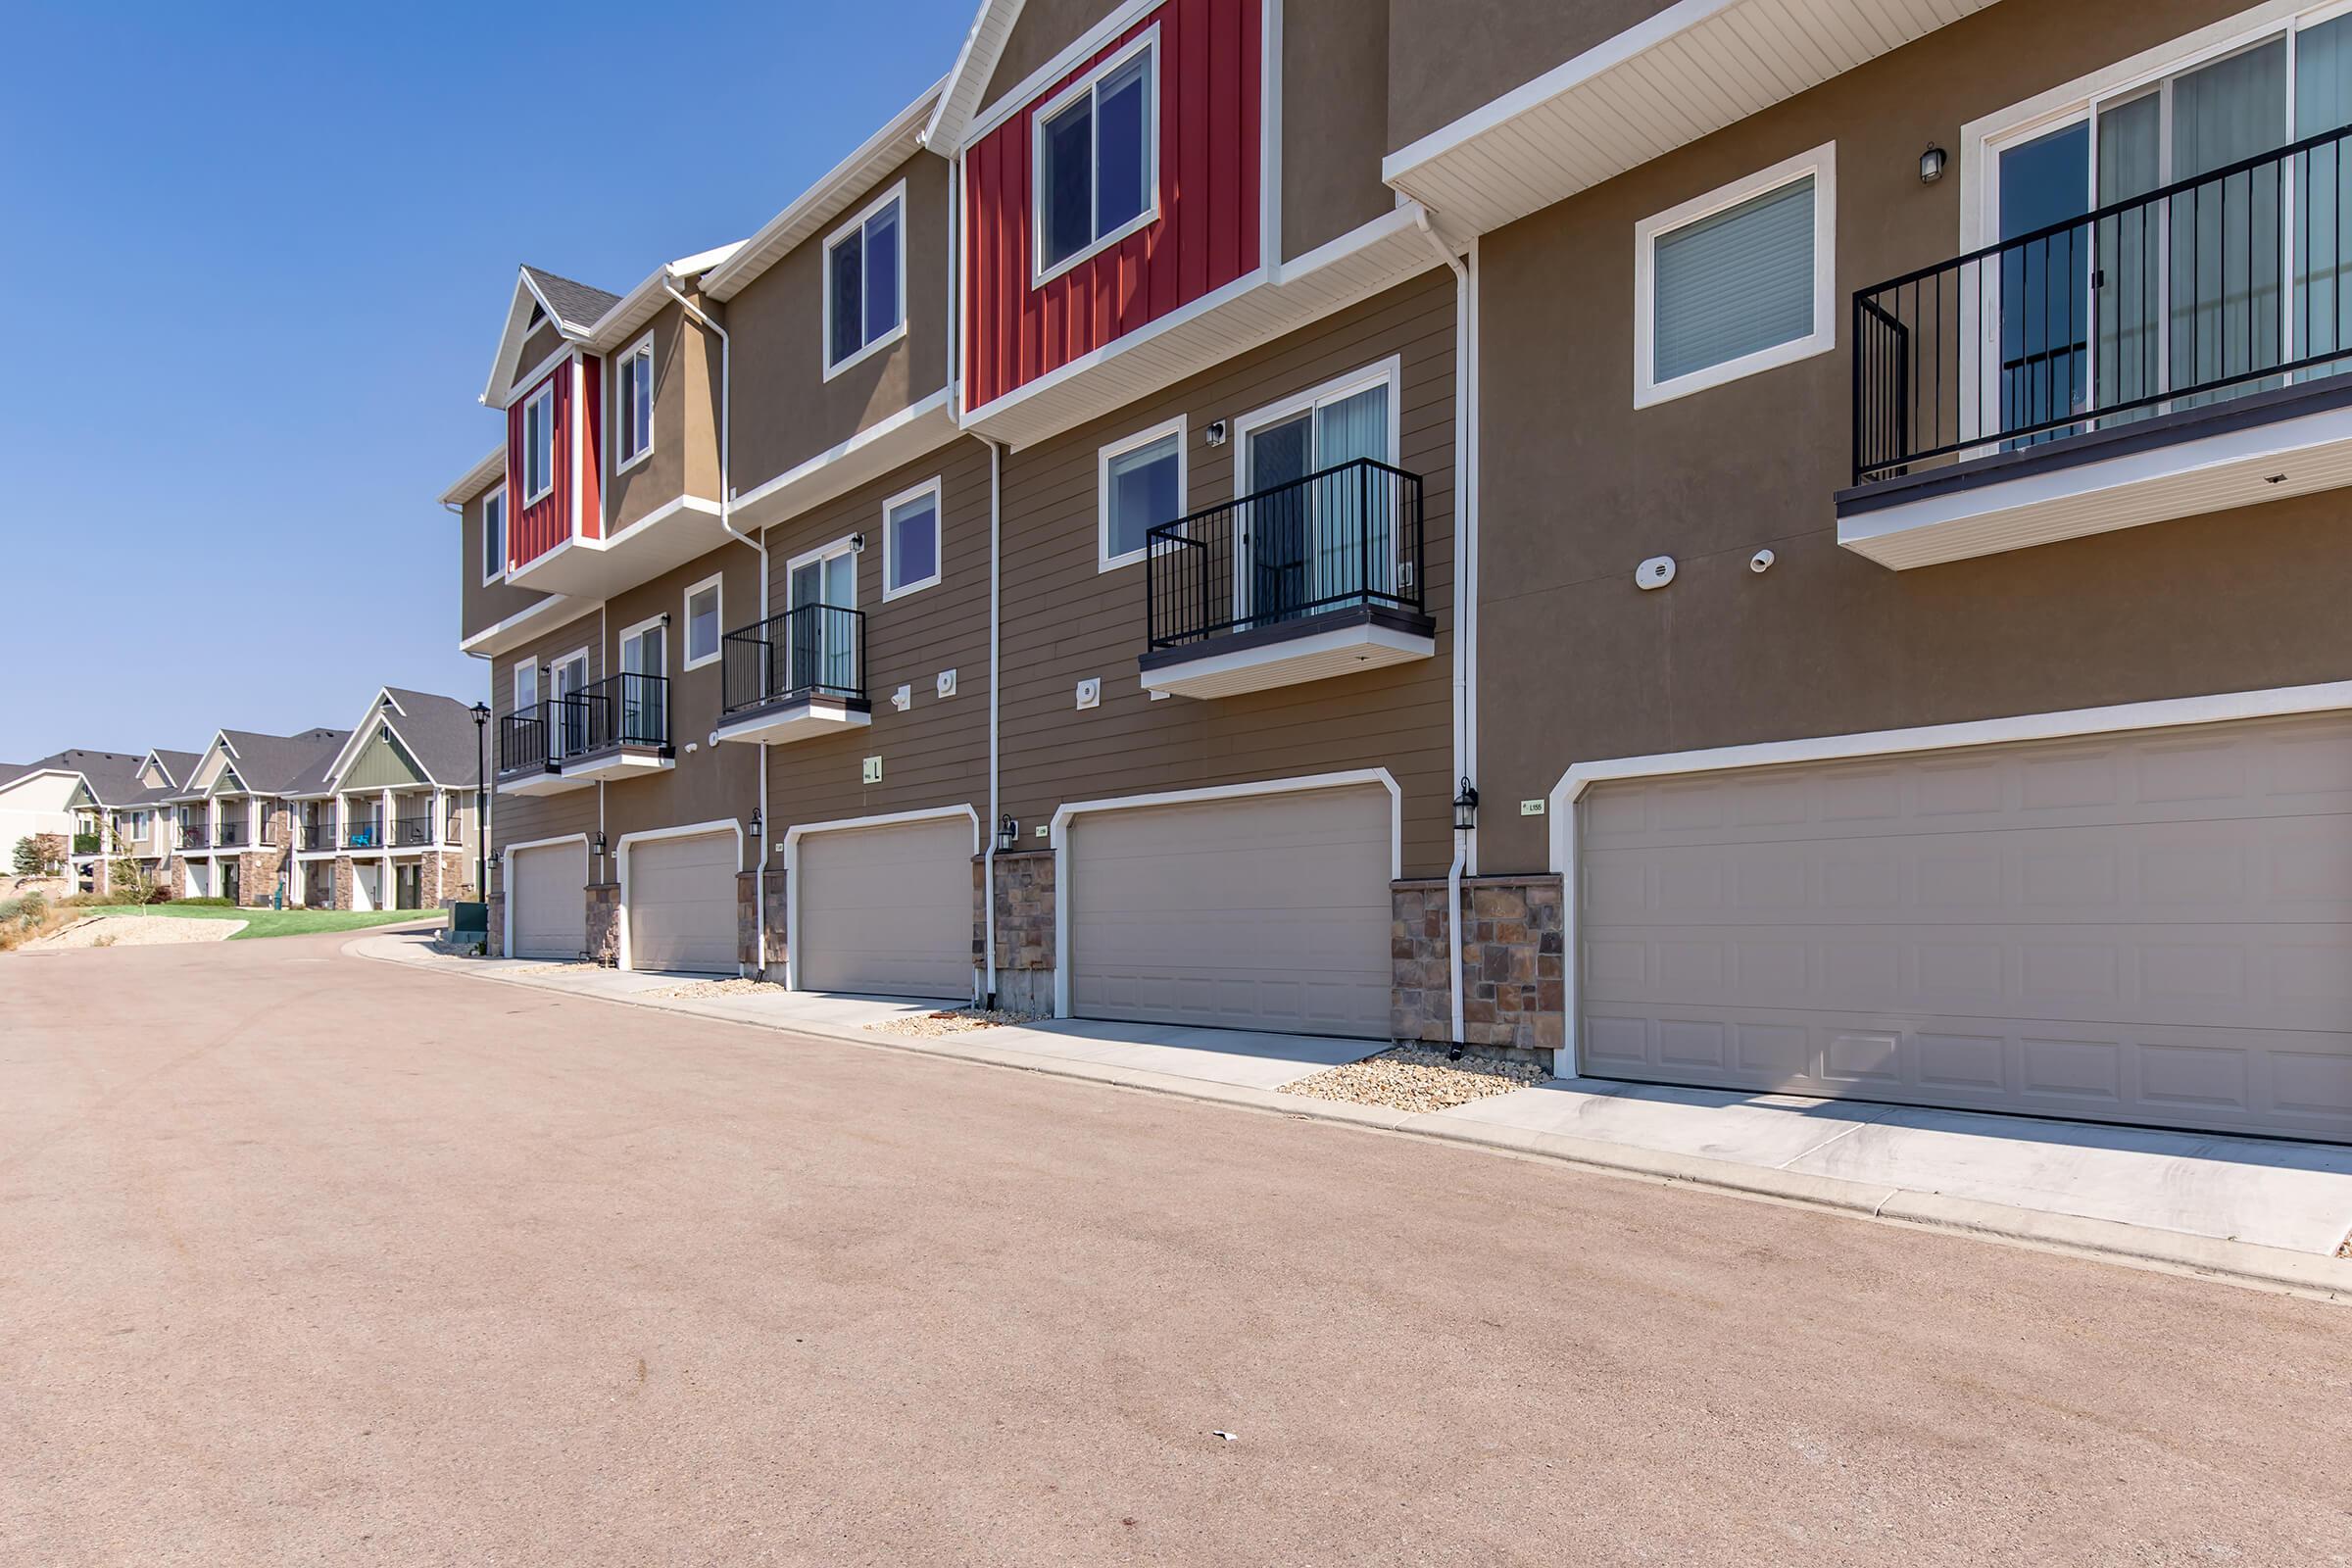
column 540, row 781
column 2259, row 446
column 802, row 719
column 1338, row 642
column 663, row 540
column 622, row 762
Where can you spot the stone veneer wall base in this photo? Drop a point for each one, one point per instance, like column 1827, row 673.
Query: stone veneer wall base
column 1513, row 963
column 604, row 922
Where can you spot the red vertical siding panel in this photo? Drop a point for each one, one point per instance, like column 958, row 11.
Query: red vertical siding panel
column 592, row 463
column 1252, row 44
column 1224, row 81
column 1191, row 92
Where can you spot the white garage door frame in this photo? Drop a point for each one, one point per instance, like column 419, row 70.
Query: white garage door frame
column 724, row 824
column 2172, row 713
column 790, row 848
column 506, row 879
column 1058, row 837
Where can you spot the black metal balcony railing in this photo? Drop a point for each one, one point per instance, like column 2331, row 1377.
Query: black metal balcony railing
column 623, row 709
column 810, row 650
column 193, row 836
column 1347, row 537
column 85, row 844
column 228, row 835
column 522, row 742
column 2228, row 283
column 411, row 832
column 362, row 833
column 319, row 835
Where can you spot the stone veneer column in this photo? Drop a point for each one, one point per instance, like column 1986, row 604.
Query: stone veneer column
column 1513, row 962
column 769, row 965
column 604, row 922
column 1024, row 911
column 493, row 943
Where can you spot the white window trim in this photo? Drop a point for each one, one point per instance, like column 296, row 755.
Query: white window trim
column 1822, row 163
column 939, row 539
column 522, row 666
column 1144, row 42
column 579, row 656
column 545, row 394
column 1389, row 371
column 846, row 545
column 719, row 645
column 629, row 633
column 1104, row 560
column 644, row 346
column 505, row 518
column 833, row 367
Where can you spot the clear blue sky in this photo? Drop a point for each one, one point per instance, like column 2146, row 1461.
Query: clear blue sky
column 257, row 258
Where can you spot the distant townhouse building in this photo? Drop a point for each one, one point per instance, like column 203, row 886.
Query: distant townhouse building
column 387, row 820
column 1774, row 545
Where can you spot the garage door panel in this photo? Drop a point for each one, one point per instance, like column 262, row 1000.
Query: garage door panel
column 1266, row 912
column 887, row 912
column 2183, row 959
column 681, row 904
column 545, row 890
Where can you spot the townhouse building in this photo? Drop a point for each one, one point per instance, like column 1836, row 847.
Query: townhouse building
column 59, row 803
column 1774, row 545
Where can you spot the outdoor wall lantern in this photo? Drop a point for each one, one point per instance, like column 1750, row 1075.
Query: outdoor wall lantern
column 1008, row 835
column 1465, row 807
column 754, row 826
column 1931, row 164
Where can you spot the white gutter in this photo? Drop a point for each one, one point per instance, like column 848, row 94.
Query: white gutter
column 727, row 523
column 1465, row 588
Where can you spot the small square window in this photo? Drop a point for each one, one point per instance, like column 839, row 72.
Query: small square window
column 539, row 443
column 911, row 541
column 1097, row 157
column 633, row 403
column 865, row 295
column 494, row 535
column 704, row 611
column 1141, row 483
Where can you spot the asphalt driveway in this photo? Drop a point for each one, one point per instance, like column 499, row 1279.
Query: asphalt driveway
column 305, row 1258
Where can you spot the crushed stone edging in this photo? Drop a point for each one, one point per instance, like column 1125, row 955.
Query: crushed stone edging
column 2245, row 1263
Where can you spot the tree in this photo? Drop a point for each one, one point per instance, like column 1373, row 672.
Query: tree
column 126, row 880
column 28, row 856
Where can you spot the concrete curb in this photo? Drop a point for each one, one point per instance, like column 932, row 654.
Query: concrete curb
column 2244, row 1263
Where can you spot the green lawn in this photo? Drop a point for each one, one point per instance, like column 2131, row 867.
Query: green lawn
column 277, row 922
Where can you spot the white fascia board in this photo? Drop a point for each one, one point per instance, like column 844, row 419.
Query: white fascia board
column 478, row 478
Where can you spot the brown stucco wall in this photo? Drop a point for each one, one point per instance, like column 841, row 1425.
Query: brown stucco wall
column 1045, row 28
column 936, row 752
column 661, row 477
column 711, row 783
column 1065, row 621
column 481, row 606
column 1448, row 56
column 1335, row 121
column 1578, row 485
column 785, row 410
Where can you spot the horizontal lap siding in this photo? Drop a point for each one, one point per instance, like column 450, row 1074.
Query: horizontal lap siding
column 1066, row 621
column 534, row 530
column 519, row 818
column 711, row 783
column 1206, row 235
column 936, row 752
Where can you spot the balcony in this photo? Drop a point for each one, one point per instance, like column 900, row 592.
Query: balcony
column 1305, row 580
column 794, row 676
column 194, row 836
column 527, row 762
column 2176, row 353
column 318, row 836
column 229, row 836
column 86, row 843
column 618, row 727
column 412, row 832
column 362, row 833
column 685, row 528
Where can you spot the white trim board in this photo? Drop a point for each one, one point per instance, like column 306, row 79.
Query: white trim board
column 623, row 959
column 2170, row 712
column 1057, row 835
column 790, row 848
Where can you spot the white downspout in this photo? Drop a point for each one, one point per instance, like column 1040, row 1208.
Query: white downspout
column 727, row 523
column 988, row 869
column 1465, row 593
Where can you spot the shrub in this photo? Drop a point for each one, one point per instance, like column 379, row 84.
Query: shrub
column 206, row 904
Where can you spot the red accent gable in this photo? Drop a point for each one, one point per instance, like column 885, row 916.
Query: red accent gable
column 1211, row 57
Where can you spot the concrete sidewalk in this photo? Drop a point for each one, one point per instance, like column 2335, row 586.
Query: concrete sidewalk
column 2256, row 1209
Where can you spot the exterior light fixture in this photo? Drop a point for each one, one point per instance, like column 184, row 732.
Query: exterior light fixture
column 1931, row 164
column 1008, row 835
column 1465, row 807
column 755, row 824
column 599, row 845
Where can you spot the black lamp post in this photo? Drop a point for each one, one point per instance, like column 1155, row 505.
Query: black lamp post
column 481, row 828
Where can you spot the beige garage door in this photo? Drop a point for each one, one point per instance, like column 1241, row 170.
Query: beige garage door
column 548, row 901
column 887, row 912
column 1266, row 912
column 2154, row 927
column 681, row 904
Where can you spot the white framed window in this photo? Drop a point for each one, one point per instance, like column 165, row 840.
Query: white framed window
column 821, row 640
column 1738, row 280
column 526, row 687
column 494, row 536
column 910, row 540
column 1139, row 482
column 1095, row 158
column 539, row 443
column 865, row 282
column 1307, row 543
column 633, row 404
column 706, row 622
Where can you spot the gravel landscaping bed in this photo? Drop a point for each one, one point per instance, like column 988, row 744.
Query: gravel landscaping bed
column 951, row 1021
column 139, row 931
column 740, row 986
column 1418, row 1078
